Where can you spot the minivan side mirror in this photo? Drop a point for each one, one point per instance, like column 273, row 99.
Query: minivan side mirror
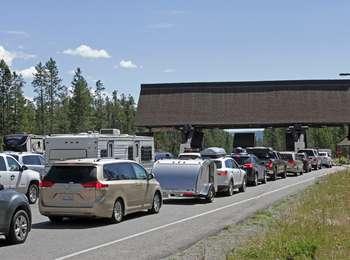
column 24, row 167
column 150, row 176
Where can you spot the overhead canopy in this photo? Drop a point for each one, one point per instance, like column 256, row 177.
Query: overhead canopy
column 244, row 104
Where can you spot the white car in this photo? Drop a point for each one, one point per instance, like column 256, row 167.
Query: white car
column 326, row 160
column 230, row 175
column 33, row 161
column 15, row 176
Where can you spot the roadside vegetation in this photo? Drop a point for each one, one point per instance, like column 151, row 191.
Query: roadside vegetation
column 314, row 226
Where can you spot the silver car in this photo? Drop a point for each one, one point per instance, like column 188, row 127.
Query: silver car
column 103, row 188
column 294, row 164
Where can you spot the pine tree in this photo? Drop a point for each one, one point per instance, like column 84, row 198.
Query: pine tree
column 53, row 91
column 99, row 106
column 17, row 104
column 80, row 105
column 5, row 85
column 40, row 83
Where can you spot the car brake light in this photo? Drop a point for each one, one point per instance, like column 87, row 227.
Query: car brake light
column 94, row 184
column 269, row 165
column 46, row 184
column 291, row 162
column 248, row 165
column 222, row 173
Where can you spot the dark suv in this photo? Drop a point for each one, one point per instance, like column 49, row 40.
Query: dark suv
column 275, row 166
column 15, row 215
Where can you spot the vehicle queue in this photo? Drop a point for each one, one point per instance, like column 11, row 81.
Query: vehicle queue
column 112, row 188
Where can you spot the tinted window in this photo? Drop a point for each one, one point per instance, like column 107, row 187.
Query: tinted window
column 242, row 159
column 13, row 164
column 262, row 154
column 74, row 174
column 140, row 172
column 218, row 164
column 31, row 160
column 119, row 171
column 2, row 164
column 308, row 152
column 229, row 164
column 146, row 153
column 286, row 156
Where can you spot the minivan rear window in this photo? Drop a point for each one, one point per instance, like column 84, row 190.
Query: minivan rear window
column 74, row 174
column 308, row 152
column 286, row 156
column 262, row 154
column 242, row 159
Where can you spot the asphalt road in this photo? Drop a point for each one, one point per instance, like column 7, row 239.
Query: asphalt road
column 179, row 224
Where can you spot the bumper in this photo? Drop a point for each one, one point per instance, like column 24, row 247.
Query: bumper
column 98, row 211
column 168, row 194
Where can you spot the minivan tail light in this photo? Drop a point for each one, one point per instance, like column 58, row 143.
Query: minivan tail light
column 269, row 165
column 46, row 184
column 94, row 184
column 291, row 162
column 222, row 173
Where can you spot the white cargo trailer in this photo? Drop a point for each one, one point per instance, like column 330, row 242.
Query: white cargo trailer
column 109, row 143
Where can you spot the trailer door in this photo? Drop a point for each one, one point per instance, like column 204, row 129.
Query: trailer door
column 137, row 153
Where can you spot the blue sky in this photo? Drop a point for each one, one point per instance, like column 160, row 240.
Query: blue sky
column 126, row 43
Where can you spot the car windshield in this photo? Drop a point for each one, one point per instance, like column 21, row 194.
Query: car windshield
column 308, row 152
column 262, row 154
column 242, row 159
column 15, row 156
column 286, row 156
column 73, row 174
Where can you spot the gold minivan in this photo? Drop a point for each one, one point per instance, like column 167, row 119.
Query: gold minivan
column 103, row 188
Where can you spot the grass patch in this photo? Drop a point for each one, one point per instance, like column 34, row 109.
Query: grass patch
column 314, row 226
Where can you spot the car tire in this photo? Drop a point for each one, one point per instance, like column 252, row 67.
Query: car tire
column 284, row 174
column 33, row 193
column 274, row 174
column 211, row 194
column 156, row 204
column 230, row 189
column 243, row 186
column 118, row 212
column 56, row 219
column 256, row 180
column 264, row 180
column 19, row 227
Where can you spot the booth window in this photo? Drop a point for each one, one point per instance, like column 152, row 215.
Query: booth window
column 146, row 153
column 130, row 153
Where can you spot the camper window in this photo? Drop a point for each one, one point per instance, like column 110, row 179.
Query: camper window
column 146, row 153
column 103, row 153
column 130, row 153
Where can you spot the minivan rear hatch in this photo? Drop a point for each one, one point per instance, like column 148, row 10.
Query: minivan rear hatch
column 69, row 186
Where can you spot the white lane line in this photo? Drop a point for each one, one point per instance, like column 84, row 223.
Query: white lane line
column 187, row 219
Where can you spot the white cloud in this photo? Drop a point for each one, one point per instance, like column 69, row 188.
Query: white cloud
column 87, row 52
column 127, row 64
column 168, row 70
column 8, row 56
column 27, row 73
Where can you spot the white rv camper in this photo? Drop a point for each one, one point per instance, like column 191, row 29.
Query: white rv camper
column 109, row 143
column 24, row 143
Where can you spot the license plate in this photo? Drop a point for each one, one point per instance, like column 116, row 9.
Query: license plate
column 67, row 197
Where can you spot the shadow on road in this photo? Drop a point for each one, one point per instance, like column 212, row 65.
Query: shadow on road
column 84, row 223
column 184, row 201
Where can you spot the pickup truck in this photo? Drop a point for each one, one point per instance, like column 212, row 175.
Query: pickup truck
column 15, row 176
column 275, row 166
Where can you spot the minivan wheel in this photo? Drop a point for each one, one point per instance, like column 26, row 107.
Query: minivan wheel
column 256, row 181
column 284, row 174
column 157, row 203
column 33, row 193
column 274, row 175
column 19, row 227
column 118, row 212
column 55, row 219
column 264, row 181
column 230, row 189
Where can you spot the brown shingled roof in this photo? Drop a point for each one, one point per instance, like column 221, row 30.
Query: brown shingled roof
column 244, row 104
